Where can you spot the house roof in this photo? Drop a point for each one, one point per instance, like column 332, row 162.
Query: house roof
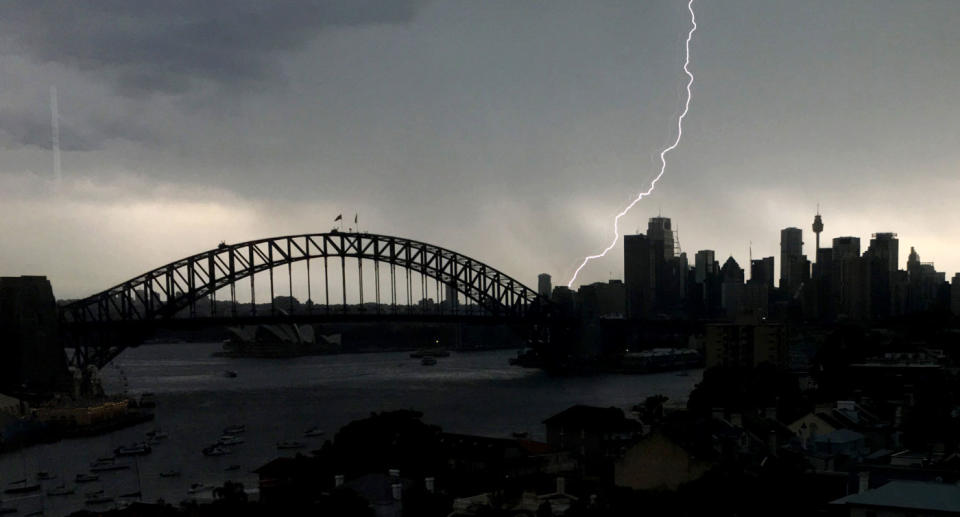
column 912, row 495
column 839, row 436
column 593, row 418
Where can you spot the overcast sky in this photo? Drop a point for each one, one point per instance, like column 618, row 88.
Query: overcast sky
column 510, row 131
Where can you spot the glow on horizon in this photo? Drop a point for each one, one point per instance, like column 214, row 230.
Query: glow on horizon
column 663, row 160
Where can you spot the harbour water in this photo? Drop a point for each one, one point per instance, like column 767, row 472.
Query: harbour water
column 279, row 399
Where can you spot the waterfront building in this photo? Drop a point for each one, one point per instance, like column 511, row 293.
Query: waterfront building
column 745, row 346
column 602, row 300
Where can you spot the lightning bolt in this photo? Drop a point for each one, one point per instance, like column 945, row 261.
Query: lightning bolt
column 663, row 154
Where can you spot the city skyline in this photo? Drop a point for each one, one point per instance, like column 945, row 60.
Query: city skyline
column 430, row 124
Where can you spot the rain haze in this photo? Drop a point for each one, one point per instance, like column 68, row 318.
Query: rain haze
column 511, row 132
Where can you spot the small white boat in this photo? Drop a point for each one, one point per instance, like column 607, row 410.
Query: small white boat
column 290, row 444
column 215, row 450
column 109, row 467
column 314, row 432
column 157, row 434
column 22, row 487
column 100, row 498
column 63, row 489
column 136, row 449
column 229, row 439
column 235, row 429
column 196, row 488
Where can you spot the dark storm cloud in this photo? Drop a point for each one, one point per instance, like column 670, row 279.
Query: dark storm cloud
column 20, row 128
column 168, row 46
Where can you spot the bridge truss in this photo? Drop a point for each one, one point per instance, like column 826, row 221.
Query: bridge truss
column 187, row 290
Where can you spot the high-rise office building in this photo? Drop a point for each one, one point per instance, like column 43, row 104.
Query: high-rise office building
column 885, row 247
column 791, row 258
column 639, row 274
column 955, row 295
column 544, row 287
column 850, row 279
column 705, row 263
column 761, row 271
column 883, row 259
column 660, row 233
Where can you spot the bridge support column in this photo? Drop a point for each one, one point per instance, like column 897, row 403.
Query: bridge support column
column 32, row 358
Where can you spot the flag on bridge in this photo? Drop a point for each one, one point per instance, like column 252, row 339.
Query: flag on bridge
column 338, row 218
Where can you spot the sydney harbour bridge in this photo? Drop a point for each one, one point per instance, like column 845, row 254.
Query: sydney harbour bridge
column 346, row 276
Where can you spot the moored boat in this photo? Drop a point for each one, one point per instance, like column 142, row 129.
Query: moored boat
column 215, row 450
column 235, row 429
column 136, row 449
column 62, row 489
column 314, row 432
column 229, row 439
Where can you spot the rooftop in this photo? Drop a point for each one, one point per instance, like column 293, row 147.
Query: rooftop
column 912, row 495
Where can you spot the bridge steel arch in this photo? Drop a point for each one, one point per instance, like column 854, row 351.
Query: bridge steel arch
column 126, row 313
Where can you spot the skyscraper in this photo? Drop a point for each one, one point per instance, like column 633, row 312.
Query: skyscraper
column 660, row 233
column 544, row 287
column 849, row 279
column 882, row 257
column 705, row 264
column 885, row 247
column 761, row 271
column 791, row 259
column 639, row 274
